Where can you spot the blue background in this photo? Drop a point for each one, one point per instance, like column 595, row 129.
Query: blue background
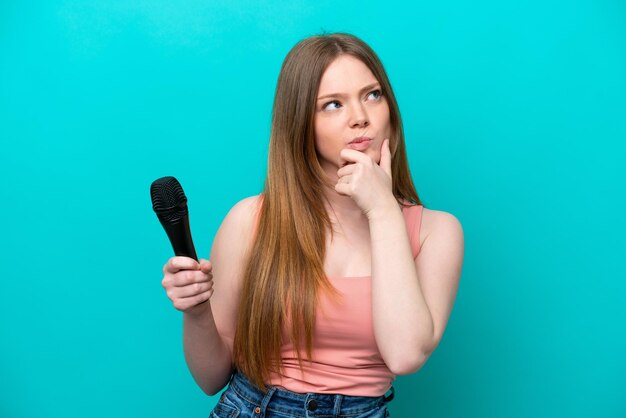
column 515, row 118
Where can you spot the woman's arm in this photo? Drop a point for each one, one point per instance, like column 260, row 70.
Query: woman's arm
column 206, row 353
column 209, row 328
column 412, row 299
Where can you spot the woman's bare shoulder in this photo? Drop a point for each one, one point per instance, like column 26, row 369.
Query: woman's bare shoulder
column 238, row 226
column 244, row 212
column 443, row 222
column 234, row 238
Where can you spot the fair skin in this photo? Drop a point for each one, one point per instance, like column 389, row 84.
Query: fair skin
column 412, row 298
column 371, row 228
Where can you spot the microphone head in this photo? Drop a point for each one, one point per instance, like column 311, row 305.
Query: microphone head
column 168, row 199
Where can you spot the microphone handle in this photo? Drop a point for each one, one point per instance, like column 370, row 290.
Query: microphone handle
column 180, row 237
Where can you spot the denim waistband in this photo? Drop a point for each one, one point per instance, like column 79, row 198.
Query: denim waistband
column 293, row 403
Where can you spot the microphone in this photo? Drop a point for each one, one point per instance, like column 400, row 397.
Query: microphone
column 170, row 205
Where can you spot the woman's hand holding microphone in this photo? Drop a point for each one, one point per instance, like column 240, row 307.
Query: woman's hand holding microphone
column 188, row 283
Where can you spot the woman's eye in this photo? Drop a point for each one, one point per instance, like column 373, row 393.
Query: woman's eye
column 331, row 105
column 375, row 95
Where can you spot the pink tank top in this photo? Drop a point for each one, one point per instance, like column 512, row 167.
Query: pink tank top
column 346, row 359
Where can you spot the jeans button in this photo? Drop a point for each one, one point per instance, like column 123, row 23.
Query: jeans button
column 311, row 405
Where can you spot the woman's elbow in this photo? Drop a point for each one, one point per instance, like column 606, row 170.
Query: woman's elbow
column 408, row 364
column 211, row 390
column 211, row 387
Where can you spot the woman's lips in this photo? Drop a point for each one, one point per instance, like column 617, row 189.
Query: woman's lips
column 360, row 144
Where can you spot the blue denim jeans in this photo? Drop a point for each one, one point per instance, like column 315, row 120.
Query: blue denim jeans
column 242, row 400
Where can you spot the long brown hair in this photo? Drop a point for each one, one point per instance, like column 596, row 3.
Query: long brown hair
column 285, row 269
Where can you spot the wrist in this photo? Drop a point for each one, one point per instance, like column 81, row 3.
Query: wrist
column 384, row 210
column 200, row 313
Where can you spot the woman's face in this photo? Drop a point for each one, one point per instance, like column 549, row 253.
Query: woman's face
column 350, row 113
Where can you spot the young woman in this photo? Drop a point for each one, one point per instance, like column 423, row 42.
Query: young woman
column 335, row 279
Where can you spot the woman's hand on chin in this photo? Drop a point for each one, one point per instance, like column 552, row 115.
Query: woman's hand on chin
column 367, row 183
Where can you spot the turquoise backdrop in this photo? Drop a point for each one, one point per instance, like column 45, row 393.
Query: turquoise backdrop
column 515, row 116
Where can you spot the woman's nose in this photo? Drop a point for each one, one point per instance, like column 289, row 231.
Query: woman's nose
column 358, row 117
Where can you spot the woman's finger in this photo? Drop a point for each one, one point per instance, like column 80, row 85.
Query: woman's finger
column 185, row 278
column 205, row 265
column 189, row 291
column 178, row 263
column 343, row 189
column 352, row 156
column 185, row 303
column 345, row 179
column 385, row 157
column 348, row 169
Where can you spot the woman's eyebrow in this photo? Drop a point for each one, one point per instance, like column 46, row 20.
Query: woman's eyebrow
column 368, row 87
